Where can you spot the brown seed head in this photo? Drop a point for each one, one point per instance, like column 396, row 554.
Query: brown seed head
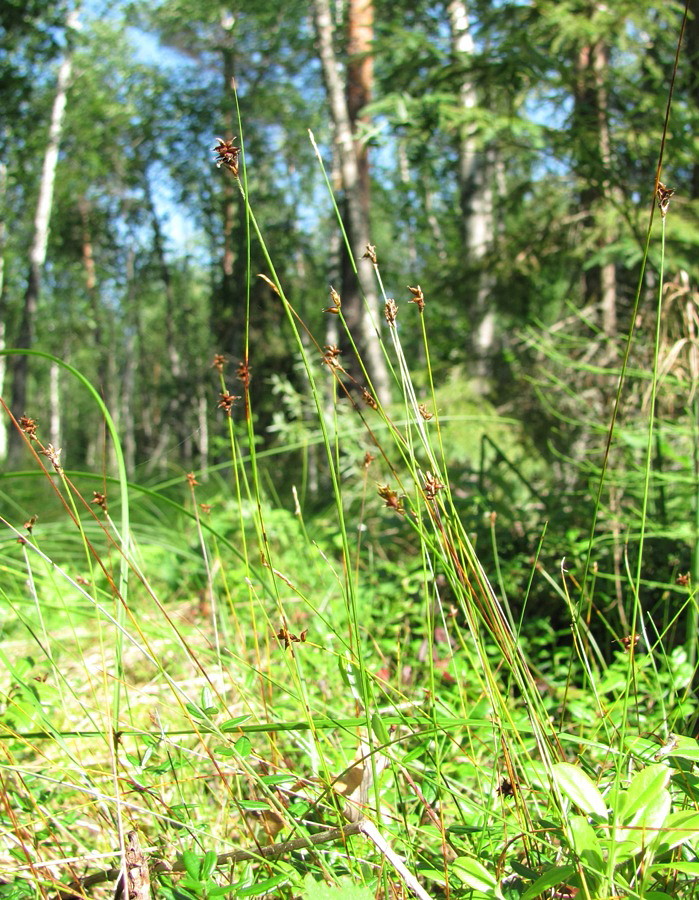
column 391, row 498
column 331, row 356
column 432, row 486
column 370, row 253
column 287, row 638
column 243, row 374
column 226, row 402
column 418, row 297
column 227, row 155
column 663, row 195
column 506, row 788
column 368, row 399
column 390, row 310
column 54, row 456
column 28, row 426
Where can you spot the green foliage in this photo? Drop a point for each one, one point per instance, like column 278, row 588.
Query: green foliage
column 451, row 639
column 343, row 889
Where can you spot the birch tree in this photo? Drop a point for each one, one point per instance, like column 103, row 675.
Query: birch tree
column 346, row 99
column 37, row 250
column 476, row 195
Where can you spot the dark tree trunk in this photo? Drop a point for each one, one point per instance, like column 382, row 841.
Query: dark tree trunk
column 591, row 129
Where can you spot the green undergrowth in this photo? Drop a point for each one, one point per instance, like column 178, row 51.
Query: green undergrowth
column 419, row 666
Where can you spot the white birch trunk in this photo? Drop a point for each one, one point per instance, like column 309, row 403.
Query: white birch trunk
column 351, row 181
column 37, row 250
column 477, row 197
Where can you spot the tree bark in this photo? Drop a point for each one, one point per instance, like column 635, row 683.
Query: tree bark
column 593, row 138
column 95, row 441
column 476, row 166
column 362, row 317
column 692, row 68
column 3, row 310
column 37, row 251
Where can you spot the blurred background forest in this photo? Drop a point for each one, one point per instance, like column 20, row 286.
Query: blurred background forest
column 501, row 155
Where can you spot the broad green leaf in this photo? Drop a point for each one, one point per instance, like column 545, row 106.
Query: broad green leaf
column 195, row 711
column 278, row 779
column 220, row 891
column 687, row 868
column 263, row 887
column 378, row 726
column 243, row 746
column 208, row 864
column 549, row 879
column 586, row 844
column 351, row 674
column 682, row 747
column 192, row 864
column 644, row 793
column 645, row 827
column 677, row 828
column 641, row 747
column 232, row 724
column 17, row 890
column 688, row 784
column 435, row 875
column 207, row 701
column 475, row 875
column 580, row 788
column 657, row 895
column 419, row 752
column 345, row 889
column 687, row 748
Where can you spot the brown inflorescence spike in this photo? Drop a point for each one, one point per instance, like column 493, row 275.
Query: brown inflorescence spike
column 664, row 195
column 243, row 374
column 370, row 253
column 390, row 310
column 391, row 498
column 227, row 155
column 335, row 303
column 368, row 399
column 226, row 402
column 432, row 486
column 418, row 297
column 28, row 426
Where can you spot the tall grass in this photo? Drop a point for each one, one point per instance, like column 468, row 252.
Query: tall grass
column 243, row 699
